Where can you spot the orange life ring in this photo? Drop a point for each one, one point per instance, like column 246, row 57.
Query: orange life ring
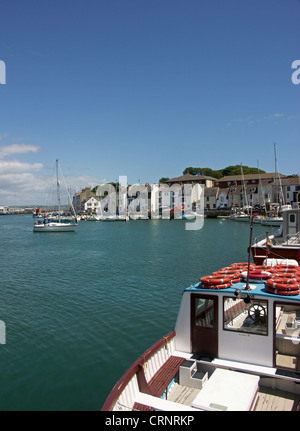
column 283, row 280
column 209, row 279
column 282, row 286
column 230, row 275
column 285, row 266
column 216, row 286
column 258, row 274
column 283, row 275
column 242, row 265
column 282, row 292
column 236, row 280
column 262, row 267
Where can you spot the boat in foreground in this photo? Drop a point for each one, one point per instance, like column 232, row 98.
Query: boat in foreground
column 235, row 346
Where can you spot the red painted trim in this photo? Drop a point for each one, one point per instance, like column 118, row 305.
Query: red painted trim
column 132, row 370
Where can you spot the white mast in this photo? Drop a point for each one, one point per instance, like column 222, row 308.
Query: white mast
column 278, row 194
column 58, row 190
column 244, row 187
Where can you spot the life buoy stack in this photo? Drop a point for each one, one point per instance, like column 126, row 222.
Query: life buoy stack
column 215, row 282
column 223, row 278
column 278, row 280
column 285, row 280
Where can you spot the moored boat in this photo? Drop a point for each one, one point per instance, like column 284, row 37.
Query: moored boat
column 235, row 346
column 272, row 221
column 284, row 243
column 58, row 224
column 49, row 226
column 241, row 216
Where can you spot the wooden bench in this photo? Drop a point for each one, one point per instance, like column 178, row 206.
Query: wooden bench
column 161, row 379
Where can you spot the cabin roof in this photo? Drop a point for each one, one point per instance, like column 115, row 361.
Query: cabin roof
column 259, row 290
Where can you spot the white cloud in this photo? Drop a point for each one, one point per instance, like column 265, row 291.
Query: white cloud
column 9, row 150
column 16, row 166
column 24, row 183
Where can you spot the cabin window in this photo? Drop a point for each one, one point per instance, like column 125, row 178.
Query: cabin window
column 287, row 344
column 204, row 312
column 292, row 218
column 246, row 315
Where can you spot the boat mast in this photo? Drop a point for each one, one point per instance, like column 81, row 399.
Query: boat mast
column 279, row 194
column 244, row 187
column 58, row 190
column 261, row 196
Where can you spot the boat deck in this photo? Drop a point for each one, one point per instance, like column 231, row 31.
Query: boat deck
column 179, row 396
column 268, row 399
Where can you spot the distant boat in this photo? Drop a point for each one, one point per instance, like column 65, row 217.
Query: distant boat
column 242, row 217
column 272, row 221
column 46, row 225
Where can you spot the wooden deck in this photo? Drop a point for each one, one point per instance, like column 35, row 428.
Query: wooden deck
column 268, row 399
column 275, row 400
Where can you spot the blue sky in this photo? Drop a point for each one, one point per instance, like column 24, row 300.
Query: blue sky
column 144, row 88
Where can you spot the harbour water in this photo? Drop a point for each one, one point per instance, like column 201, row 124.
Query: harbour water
column 79, row 308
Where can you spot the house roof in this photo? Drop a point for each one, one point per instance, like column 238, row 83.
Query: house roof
column 248, row 177
column 211, row 191
column 189, row 178
column 293, row 181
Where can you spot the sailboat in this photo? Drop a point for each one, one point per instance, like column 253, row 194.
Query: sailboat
column 241, row 215
column 60, row 225
column 275, row 219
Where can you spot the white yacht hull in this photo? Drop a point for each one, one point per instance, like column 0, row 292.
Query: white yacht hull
column 55, row 227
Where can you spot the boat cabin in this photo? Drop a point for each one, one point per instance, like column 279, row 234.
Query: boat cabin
column 248, row 326
column 291, row 222
column 236, row 346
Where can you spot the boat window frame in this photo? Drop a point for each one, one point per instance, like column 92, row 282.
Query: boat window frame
column 250, row 330
column 277, row 303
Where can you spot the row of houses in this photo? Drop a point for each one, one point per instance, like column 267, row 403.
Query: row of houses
column 245, row 190
column 228, row 192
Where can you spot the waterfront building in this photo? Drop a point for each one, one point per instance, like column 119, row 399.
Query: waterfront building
column 90, row 205
column 211, row 197
column 291, row 190
column 80, row 197
column 235, row 191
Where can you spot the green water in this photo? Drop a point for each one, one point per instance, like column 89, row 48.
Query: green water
column 80, row 307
